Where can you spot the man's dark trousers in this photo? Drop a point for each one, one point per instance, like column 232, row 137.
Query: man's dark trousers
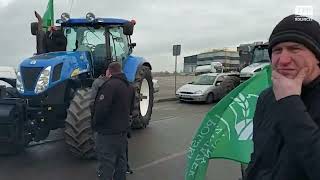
column 111, row 153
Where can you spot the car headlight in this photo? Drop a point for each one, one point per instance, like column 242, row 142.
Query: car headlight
column 19, row 84
column 43, row 81
column 198, row 92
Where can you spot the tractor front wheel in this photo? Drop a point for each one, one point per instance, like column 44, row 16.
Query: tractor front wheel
column 78, row 132
column 143, row 105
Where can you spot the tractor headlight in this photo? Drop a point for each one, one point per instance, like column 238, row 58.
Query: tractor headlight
column 43, row 81
column 19, row 84
column 90, row 17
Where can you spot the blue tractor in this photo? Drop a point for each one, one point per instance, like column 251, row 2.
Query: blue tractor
column 54, row 88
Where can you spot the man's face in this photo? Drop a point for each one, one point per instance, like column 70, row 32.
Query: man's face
column 108, row 74
column 288, row 58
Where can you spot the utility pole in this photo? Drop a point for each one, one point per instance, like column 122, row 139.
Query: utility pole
column 176, row 53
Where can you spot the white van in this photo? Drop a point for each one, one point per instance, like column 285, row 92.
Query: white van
column 7, row 72
column 214, row 67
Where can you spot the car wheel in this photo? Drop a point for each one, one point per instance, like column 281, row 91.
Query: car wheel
column 210, row 98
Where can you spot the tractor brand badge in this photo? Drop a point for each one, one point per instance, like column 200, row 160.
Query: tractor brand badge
column 101, row 97
column 33, row 62
column 243, row 115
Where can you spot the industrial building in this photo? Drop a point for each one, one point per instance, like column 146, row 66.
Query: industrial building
column 229, row 58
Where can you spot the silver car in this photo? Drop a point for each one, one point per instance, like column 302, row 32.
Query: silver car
column 156, row 86
column 208, row 87
column 7, row 72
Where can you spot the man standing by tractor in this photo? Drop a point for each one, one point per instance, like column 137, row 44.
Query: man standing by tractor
column 97, row 83
column 111, row 112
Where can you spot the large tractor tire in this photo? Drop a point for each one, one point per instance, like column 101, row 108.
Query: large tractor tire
column 143, row 86
column 17, row 143
column 12, row 93
column 78, row 132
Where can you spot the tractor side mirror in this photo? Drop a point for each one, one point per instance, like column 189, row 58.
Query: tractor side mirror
column 132, row 45
column 34, row 28
column 128, row 28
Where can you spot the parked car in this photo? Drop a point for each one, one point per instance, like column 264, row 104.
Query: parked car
column 7, row 72
column 208, row 87
column 156, row 86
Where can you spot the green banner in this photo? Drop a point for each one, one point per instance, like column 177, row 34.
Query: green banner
column 48, row 17
column 226, row 131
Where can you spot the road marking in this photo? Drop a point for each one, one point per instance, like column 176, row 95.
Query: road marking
column 153, row 163
column 163, row 119
column 32, row 144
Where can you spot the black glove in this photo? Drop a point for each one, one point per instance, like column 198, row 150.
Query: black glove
column 129, row 135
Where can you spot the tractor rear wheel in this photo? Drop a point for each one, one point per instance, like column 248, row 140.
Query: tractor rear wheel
column 78, row 132
column 143, row 86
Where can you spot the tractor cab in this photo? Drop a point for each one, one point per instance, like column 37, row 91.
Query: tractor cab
column 259, row 60
column 103, row 39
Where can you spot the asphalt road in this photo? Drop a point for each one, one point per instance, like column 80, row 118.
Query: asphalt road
column 155, row 153
column 166, row 84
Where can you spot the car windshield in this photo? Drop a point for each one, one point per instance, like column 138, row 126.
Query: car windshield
column 204, row 80
column 261, row 55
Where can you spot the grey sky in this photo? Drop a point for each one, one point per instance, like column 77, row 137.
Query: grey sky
column 196, row 25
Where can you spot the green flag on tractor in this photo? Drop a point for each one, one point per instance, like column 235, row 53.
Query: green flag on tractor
column 226, row 131
column 48, row 17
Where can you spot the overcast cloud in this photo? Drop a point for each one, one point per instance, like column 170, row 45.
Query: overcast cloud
column 196, row 25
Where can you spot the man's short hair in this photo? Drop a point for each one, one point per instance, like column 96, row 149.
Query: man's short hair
column 115, row 68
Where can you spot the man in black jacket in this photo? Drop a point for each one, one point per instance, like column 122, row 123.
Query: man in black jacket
column 286, row 132
column 51, row 40
column 112, row 108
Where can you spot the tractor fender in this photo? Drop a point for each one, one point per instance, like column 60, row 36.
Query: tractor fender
column 132, row 64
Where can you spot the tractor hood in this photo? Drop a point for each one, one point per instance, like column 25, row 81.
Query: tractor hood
column 58, row 67
column 55, row 58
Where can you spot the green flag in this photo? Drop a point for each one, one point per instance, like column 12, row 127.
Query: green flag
column 226, row 131
column 48, row 17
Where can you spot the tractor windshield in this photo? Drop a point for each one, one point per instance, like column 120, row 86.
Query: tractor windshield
column 260, row 54
column 84, row 38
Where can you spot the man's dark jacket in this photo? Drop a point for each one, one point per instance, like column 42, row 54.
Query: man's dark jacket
column 113, row 105
column 55, row 41
column 286, row 136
